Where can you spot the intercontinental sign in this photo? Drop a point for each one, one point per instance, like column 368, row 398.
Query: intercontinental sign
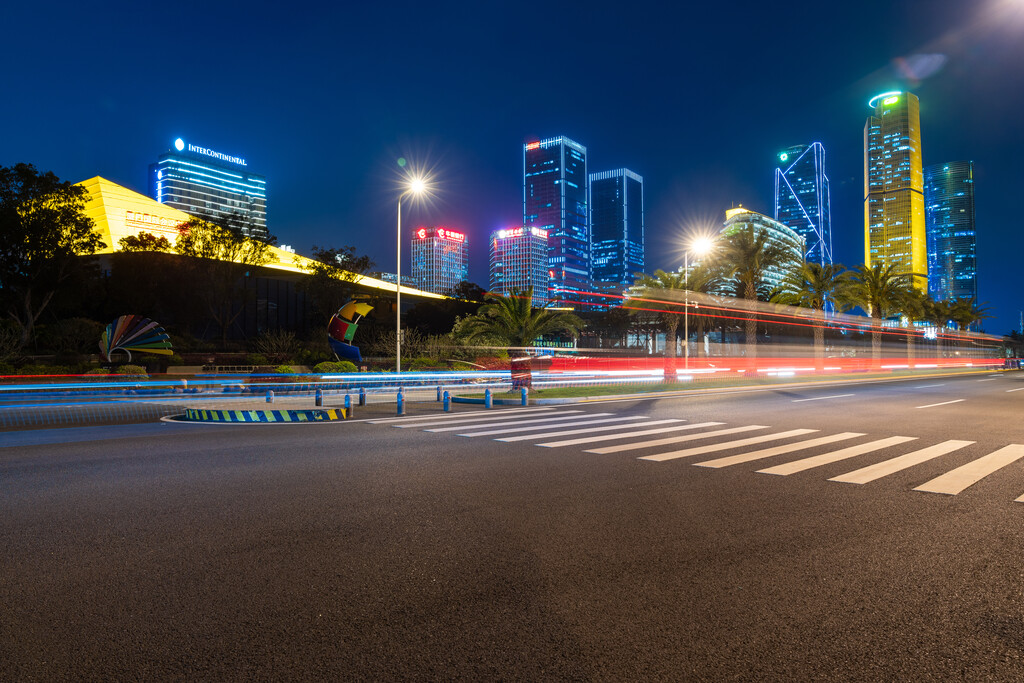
column 180, row 145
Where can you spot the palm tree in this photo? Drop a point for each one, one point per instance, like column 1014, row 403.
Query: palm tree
column 513, row 321
column 817, row 286
column 966, row 312
column 882, row 292
column 705, row 279
column 937, row 313
column 663, row 285
column 915, row 307
column 747, row 255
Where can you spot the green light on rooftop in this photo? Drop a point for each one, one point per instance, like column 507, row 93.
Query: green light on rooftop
column 890, row 100
column 783, row 157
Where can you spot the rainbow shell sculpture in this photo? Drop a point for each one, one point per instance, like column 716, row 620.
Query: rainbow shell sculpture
column 342, row 328
column 134, row 333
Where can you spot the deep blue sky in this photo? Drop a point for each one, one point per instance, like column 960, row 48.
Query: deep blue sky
column 696, row 97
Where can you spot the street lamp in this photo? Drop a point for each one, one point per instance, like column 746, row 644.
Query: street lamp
column 416, row 187
column 699, row 247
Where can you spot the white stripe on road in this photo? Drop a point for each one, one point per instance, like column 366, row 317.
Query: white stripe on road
column 826, row 458
column 626, row 435
column 1019, row 500
column 955, row 481
column 586, row 430
column 992, row 379
column 674, row 439
column 451, row 416
column 585, row 420
column 944, row 403
column 929, row 386
column 441, row 420
column 661, row 457
column 777, row 450
column 820, row 398
column 1020, row 389
column 516, row 421
column 900, row 463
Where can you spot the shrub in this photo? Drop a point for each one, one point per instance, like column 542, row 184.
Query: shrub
column 335, row 366
column 284, row 370
column 276, row 344
column 131, row 370
column 257, row 359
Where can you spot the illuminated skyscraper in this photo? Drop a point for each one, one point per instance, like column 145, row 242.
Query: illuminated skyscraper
column 802, row 198
column 201, row 181
column 519, row 261
column 616, row 229
column 894, row 224
column 555, row 200
column 440, row 259
column 776, row 233
column 949, row 213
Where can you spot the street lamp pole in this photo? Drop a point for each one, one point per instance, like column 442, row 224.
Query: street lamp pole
column 686, row 309
column 398, row 290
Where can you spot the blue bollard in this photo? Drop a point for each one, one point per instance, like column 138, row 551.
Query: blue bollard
column 362, row 397
column 319, row 398
column 348, row 406
column 447, row 402
column 522, row 394
column 270, row 396
column 401, row 403
column 439, row 393
column 487, row 398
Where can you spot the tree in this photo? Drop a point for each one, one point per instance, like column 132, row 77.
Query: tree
column 438, row 316
column 145, row 241
column 705, row 279
column 882, row 292
column 966, row 312
column 43, row 236
column 515, row 323
column 747, row 255
column 331, row 279
column 817, row 286
column 221, row 255
column 661, row 286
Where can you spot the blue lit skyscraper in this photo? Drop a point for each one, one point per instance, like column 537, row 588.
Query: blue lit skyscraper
column 555, row 200
column 802, row 198
column 616, row 229
column 949, row 221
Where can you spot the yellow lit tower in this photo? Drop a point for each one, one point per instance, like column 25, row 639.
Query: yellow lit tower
column 894, row 224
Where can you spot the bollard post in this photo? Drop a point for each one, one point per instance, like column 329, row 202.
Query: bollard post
column 487, row 398
column 319, row 398
column 400, row 401
column 522, row 393
column 447, row 402
column 439, row 393
column 184, row 385
column 270, row 396
column 348, row 407
column 362, row 397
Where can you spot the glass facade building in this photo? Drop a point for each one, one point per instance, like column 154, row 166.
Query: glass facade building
column 949, row 217
column 440, row 259
column 802, row 198
column 777, row 233
column 894, row 222
column 616, row 204
column 519, row 261
column 201, row 182
column 555, row 200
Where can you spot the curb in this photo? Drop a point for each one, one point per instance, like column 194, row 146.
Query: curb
column 325, row 415
column 494, row 401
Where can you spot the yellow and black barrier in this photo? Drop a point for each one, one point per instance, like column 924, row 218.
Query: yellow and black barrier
column 266, row 416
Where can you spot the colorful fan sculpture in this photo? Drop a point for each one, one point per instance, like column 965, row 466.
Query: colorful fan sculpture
column 134, row 333
column 343, row 327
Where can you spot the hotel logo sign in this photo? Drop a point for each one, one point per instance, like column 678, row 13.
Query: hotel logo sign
column 180, row 145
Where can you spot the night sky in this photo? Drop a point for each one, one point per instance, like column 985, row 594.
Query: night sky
column 696, row 97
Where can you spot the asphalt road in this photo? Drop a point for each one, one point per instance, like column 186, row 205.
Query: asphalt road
column 362, row 551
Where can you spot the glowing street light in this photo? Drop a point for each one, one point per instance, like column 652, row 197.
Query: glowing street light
column 416, row 186
column 699, row 246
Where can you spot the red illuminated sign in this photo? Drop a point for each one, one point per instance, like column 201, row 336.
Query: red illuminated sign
column 533, row 145
column 422, row 233
column 443, row 233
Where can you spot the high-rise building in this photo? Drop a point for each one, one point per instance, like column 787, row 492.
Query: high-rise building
column 203, row 182
column 555, row 200
column 440, row 259
column 802, row 198
column 894, row 224
column 519, row 261
column 949, row 214
column 616, row 206
column 776, row 233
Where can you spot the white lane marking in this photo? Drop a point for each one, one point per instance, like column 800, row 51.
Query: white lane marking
column 452, row 416
column 900, row 463
column 955, row 481
column 820, row 398
column 672, row 455
column 585, row 430
column 991, row 379
column 944, row 403
column 929, row 386
column 442, row 420
column 777, row 450
column 1019, row 500
column 818, row 460
column 674, row 439
column 536, row 428
column 517, row 422
column 1020, row 389
column 625, row 435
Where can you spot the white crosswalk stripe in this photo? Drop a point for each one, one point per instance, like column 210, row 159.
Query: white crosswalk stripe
column 887, row 467
column 776, row 450
column 674, row 439
column 585, row 430
column 460, row 415
column 955, row 481
column 594, row 424
column 826, row 458
column 621, row 435
column 699, row 450
column 562, row 417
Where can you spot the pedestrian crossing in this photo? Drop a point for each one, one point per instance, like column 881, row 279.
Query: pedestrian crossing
column 605, row 433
